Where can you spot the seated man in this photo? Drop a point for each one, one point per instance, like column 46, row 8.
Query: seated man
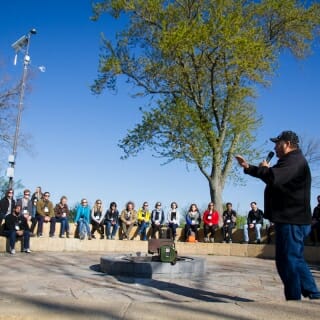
column 229, row 217
column 254, row 221
column 315, row 224
column 128, row 219
column 45, row 214
column 16, row 225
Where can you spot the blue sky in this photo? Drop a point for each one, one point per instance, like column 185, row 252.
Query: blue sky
column 75, row 134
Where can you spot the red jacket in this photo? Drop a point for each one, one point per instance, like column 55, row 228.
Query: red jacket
column 214, row 217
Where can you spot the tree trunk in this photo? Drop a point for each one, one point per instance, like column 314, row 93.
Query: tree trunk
column 216, row 194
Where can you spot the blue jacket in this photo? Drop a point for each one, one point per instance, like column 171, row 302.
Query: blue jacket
column 84, row 213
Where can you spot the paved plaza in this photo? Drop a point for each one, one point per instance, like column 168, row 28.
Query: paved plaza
column 70, row 285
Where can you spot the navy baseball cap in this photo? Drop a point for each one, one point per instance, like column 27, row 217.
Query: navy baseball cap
column 286, row 136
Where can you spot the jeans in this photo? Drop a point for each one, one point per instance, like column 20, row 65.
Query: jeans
column 64, row 225
column 114, row 227
column 173, row 227
column 292, row 268
column 142, row 229
column 257, row 228
column 84, row 227
column 12, row 235
column 52, row 222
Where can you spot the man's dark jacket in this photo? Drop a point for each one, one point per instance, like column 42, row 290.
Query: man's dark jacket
column 287, row 192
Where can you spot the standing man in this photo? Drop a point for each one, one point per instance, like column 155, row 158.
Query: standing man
column 287, row 204
column 7, row 204
column 254, row 221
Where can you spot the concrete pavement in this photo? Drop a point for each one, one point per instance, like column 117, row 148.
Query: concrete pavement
column 68, row 285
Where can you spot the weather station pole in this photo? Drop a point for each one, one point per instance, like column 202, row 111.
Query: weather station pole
column 21, row 45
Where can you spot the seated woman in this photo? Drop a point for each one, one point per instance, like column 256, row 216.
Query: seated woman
column 210, row 222
column 157, row 219
column 61, row 211
column 128, row 219
column 82, row 219
column 143, row 221
column 173, row 219
column 112, row 221
column 97, row 219
column 193, row 220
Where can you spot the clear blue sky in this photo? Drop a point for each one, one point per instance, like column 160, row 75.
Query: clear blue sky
column 75, row 134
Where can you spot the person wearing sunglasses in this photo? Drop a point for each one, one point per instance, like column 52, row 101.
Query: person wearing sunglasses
column 45, row 214
column 7, row 204
column 97, row 219
column 82, row 220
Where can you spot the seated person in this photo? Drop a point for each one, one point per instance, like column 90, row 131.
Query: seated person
column 16, row 225
column 61, row 211
column 112, row 221
column 97, row 219
column 128, row 219
column 143, row 221
column 45, row 214
column 157, row 219
column 229, row 218
column 193, row 220
column 173, row 219
column 254, row 221
column 82, row 220
column 270, row 228
column 210, row 222
column 315, row 224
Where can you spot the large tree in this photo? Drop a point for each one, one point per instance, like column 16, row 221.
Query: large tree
column 201, row 61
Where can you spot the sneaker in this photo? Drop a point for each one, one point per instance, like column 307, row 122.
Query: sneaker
column 92, row 236
column 12, row 251
column 68, row 235
column 82, row 236
column 223, row 241
column 258, row 241
column 62, row 236
column 27, row 250
column 206, row 239
column 112, row 238
column 40, row 235
column 314, row 296
column 51, row 235
column 109, row 237
column 230, row 241
column 212, row 240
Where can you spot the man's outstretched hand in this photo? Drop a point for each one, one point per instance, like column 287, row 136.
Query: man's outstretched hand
column 242, row 162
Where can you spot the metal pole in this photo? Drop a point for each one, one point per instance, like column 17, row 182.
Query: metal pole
column 26, row 62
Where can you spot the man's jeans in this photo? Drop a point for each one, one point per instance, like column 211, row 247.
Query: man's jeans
column 292, row 268
column 12, row 235
column 257, row 228
column 114, row 227
column 52, row 222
